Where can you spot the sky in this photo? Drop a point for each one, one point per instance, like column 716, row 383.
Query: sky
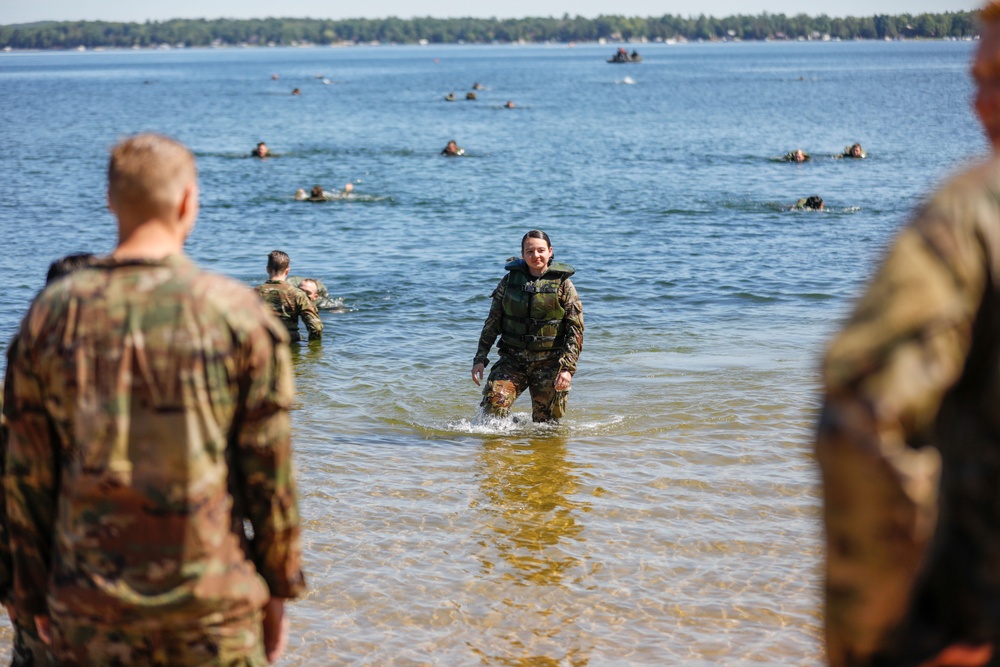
column 26, row 11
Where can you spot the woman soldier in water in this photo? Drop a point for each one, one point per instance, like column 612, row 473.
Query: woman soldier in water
column 538, row 316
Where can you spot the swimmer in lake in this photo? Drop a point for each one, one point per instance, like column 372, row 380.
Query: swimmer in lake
column 509, row 105
column 853, row 151
column 296, row 91
column 452, row 150
column 813, row 203
column 317, row 293
column 470, row 95
column 477, row 86
column 318, row 194
column 797, row 155
column 261, row 151
column 450, row 97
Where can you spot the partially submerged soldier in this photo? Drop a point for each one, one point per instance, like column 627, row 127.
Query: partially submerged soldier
column 148, row 420
column 452, row 149
column 853, row 151
column 797, row 155
column 289, row 303
column 537, row 314
column 813, row 203
column 318, row 194
column 317, row 292
column 261, row 150
column 909, row 438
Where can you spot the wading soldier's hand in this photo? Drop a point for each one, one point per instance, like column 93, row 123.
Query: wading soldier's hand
column 563, row 380
column 477, row 373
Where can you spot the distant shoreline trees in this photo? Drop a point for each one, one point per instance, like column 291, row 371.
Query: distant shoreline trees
column 289, row 32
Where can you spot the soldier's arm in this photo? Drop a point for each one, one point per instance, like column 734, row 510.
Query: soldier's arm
column 309, row 315
column 491, row 327
column 885, row 376
column 31, row 476
column 574, row 327
column 263, row 461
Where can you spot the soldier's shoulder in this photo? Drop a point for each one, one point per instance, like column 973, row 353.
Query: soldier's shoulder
column 979, row 181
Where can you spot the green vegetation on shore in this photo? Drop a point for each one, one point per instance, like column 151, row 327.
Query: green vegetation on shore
column 287, row 31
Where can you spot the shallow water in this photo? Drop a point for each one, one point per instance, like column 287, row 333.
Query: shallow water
column 672, row 517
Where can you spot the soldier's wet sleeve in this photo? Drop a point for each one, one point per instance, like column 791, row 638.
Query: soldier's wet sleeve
column 574, row 327
column 264, row 461
column 885, row 376
column 310, row 316
column 491, row 327
column 30, row 484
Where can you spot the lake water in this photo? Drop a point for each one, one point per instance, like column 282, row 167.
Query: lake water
column 672, row 517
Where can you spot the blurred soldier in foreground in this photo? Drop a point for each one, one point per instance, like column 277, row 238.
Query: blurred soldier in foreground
column 909, row 437
column 28, row 649
column 289, row 303
column 147, row 407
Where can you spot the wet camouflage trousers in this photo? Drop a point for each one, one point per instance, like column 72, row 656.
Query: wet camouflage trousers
column 511, row 376
column 235, row 643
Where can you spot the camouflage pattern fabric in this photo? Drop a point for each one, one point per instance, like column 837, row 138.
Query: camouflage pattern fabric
column 232, row 644
column 511, row 375
column 28, row 650
column 291, row 304
column 909, row 441
column 519, row 370
column 147, row 407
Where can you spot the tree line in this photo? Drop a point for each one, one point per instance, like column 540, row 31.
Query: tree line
column 289, row 31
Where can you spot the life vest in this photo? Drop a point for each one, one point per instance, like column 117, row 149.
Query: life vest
column 533, row 316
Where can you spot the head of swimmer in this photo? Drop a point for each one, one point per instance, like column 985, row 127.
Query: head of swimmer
column 986, row 73
column 262, row 150
column 814, row 203
column 799, row 156
column 857, row 151
column 316, row 192
column 451, row 148
column 536, row 251
column 311, row 289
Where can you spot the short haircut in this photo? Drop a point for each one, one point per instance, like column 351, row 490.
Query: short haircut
column 277, row 262
column 149, row 172
column 68, row 264
column 310, row 281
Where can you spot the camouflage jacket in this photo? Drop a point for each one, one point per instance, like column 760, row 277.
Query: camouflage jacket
column 909, row 441
column 289, row 304
column 570, row 352
column 147, row 408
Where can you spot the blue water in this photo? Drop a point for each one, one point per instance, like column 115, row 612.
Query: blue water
column 672, row 517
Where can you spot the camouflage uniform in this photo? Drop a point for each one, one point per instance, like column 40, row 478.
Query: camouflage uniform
column 289, row 304
column 523, row 366
column 147, row 406
column 909, row 441
column 28, row 649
